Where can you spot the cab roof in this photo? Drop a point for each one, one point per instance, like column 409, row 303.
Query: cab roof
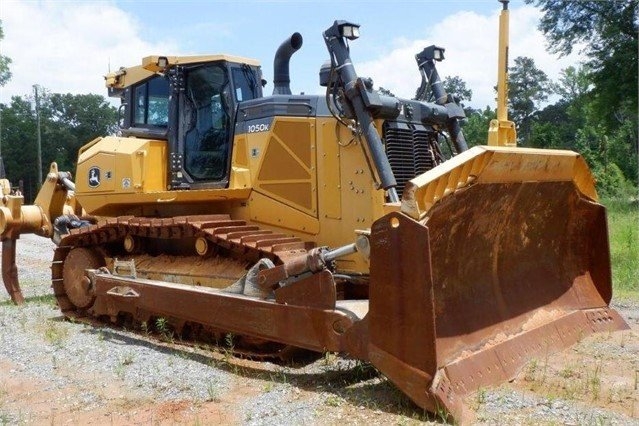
column 151, row 65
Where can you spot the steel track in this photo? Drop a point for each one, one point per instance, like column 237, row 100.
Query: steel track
column 232, row 239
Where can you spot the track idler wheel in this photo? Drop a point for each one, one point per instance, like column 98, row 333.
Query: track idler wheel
column 77, row 285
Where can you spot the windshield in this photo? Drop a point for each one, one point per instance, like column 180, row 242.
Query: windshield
column 207, row 134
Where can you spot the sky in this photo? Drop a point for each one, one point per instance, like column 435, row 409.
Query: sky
column 68, row 46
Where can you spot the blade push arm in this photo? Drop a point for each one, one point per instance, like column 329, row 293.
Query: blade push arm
column 360, row 99
column 426, row 63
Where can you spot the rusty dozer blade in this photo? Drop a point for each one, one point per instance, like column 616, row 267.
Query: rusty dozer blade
column 498, row 257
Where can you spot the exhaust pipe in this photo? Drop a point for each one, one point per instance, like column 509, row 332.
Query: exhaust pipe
column 281, row 78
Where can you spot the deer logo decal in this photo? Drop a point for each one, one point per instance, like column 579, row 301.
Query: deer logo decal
column 94, row 177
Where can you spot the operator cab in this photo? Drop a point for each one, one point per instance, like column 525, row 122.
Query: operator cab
column 191, row 102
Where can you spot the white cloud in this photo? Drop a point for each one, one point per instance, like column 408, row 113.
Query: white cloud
column 66, row 47
column 470, row 40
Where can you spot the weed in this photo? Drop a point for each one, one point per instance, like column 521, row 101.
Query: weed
column 531, row 370
column 329, row 359
column 55, row 333
column 593, row 383
column 440, row 413
column 280, row 376
column 481, row 396
column 120, row 371
column 229, row 340
column 363, row 370
column 5, row 419
column 212, row 392
column 163, row 327
column 617, row 394
column 229, row 347
column 22, row 319
column 568, row 372
column 124, row 361
column 629, row 238
column 127, row 359
column 333, row 401
column 570, row 390
column 402, row 421
column 545, row 373
column 212, row 362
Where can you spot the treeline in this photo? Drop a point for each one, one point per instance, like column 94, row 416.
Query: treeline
column 595, row 104
column 606, row 137
column 66, row 123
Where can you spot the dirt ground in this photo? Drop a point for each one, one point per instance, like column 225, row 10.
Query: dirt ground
column 593, row 382
column 601, row 371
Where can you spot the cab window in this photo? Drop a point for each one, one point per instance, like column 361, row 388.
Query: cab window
column 151, row 100
column 245, row 83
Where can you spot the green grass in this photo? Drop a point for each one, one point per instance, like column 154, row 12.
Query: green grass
column 623, row 228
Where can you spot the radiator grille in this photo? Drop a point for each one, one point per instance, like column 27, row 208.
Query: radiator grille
column 410, row 151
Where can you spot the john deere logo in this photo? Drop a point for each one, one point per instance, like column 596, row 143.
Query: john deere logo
column 94, row 177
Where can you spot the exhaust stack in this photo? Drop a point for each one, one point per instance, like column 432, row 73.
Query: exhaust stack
column 281, row 77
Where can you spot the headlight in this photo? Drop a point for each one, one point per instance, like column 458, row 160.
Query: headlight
column 351, row 32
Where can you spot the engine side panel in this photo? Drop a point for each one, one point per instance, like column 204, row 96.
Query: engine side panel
column 128, row 176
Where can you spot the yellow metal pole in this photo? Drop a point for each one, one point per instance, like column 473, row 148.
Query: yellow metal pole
column 502, row 62
column 501, row 131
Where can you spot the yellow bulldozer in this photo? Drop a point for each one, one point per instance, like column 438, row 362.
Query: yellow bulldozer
column 353, row 222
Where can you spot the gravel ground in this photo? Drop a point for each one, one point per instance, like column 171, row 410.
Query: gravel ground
column 60, row 372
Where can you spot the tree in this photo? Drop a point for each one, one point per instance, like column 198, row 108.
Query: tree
column 574, row 83
column 528, row 87
column 456, row 87
column 5, row 73
column 76, row 120
column 18, row 143
column 609, row 31
column 556, row 125
column 476, row 126
column 67, row 122
column 574, row 123
column 553, row 127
